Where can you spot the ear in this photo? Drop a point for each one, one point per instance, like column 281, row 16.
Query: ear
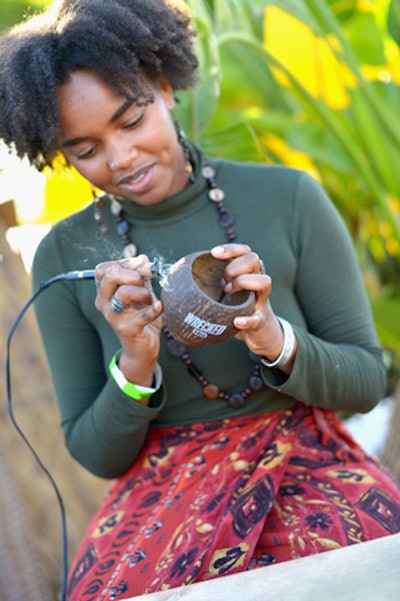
column 167, row 92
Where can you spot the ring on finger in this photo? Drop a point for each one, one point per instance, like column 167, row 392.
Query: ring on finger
column 262, row 267
column 116, row 305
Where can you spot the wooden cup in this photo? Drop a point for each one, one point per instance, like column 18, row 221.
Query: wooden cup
column 197, row 311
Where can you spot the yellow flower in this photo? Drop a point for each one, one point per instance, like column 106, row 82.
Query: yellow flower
column 65, row 192
column 393, row 247
column 366, row 6
column 307, row 57
column 288, row 156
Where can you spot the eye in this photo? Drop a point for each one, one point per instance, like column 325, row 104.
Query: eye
column 86, row 154
column 134, row 122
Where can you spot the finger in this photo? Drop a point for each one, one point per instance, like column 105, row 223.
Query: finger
column 246, row 264
column 249, row 322
column 116, row 277
column 149, row 314
column 131, row 263
column 241, row 259
column 130, row 324
column 146, row 268
column 261, row 284
column 229, row 251
column 132, row 310
column 133, row 296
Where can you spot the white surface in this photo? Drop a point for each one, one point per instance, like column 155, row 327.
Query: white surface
column 361, row 572
column 371, row 429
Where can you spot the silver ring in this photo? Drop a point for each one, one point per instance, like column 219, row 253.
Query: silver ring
column 262, row 267
column 116, row 305
column 96, row 283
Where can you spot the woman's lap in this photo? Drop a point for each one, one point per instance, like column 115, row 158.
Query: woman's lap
column 206, row 500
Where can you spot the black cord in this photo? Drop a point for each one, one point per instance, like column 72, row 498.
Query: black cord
column 87, row 274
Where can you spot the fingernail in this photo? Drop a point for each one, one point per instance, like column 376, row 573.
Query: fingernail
column 134, row 261
column 218, row 250
column 157, row 305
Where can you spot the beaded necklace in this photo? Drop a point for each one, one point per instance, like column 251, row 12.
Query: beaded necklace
column 176, row 349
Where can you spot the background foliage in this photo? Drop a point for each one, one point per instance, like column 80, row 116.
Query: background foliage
column 313, row 84
column 12, row 11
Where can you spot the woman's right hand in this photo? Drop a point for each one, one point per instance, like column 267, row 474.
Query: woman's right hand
column 126, row 299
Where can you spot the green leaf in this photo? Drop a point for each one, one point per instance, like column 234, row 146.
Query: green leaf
column 394, row 20
column 386, row 312
column 237, row 143
column 201, row 11
column 379, row 148
column 247, row 79
column 364, row 36
column 231, row 14
column 13, row 11
column 196, row 107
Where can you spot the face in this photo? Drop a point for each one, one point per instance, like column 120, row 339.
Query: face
column 124, row 149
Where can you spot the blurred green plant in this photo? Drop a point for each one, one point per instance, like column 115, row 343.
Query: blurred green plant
column 314, row 84
column 13, row 11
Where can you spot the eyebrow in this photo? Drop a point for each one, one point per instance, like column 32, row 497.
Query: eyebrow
column 118, row 113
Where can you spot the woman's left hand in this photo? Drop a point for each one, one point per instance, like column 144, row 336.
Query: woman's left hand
column 261, row 331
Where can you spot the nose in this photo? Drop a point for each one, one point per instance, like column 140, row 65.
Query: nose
column 121, row 156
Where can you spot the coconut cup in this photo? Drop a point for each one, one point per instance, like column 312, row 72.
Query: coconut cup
column 197, row 311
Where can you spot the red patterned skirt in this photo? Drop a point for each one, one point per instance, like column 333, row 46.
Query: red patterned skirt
column 206, row 500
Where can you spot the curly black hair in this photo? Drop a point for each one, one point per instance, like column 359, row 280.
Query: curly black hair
column 125, row 42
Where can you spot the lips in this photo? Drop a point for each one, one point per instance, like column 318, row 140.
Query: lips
column 137, row 181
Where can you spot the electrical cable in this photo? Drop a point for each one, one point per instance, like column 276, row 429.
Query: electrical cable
column 87, row 274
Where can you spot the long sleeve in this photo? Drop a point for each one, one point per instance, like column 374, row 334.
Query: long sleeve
column 100, row 422
column 339, row 360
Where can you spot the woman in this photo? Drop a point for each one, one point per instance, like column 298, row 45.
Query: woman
column 225, row 457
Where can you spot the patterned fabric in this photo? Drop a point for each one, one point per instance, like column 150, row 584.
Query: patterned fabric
column 206, row 500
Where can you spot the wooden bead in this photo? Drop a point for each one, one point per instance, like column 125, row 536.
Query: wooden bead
column 211, row 391
column 236, row 401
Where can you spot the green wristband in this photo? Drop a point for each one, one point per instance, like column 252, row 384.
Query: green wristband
column 134, row 391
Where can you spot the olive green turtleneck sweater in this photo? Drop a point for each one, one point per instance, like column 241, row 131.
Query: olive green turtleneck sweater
column 288, row 220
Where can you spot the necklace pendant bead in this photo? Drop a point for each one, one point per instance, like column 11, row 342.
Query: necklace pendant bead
column 194, row 370
column 130, row 250
column 97, row 213
column 211, row 391
column 216, row 194
column 115, row 207
column 256, row 383
column 236, row 400
column 208, row 172
column 175, row 348
column 122, row 227
column 226, row 219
